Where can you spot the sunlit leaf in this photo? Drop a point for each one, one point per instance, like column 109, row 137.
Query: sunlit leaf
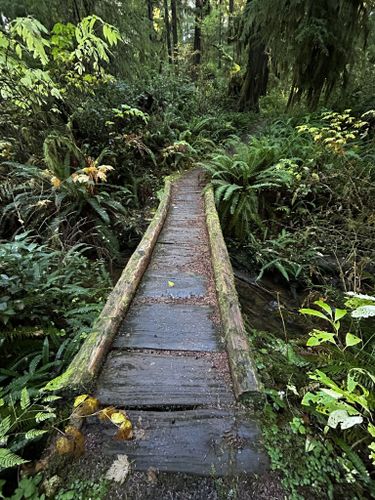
column 80, row 399
column 351, row 340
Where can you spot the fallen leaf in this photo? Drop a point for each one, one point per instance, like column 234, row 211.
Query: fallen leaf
column 119, row 469
column 152, row 475
column 72, row 443
column 125, row 431
column 118, row 417
column 88, row 407
column 80, row 399
column 106, row 413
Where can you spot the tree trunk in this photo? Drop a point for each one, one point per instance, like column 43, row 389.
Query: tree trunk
column 150, row 15
column 197, row 57
column 220, row 33
column 174, row 29
column 168, row 31
column 230, row 21
column 256, row 78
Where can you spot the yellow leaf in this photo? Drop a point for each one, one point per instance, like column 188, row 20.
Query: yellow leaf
column 88, row 407
column 64, row 446
column 72, row 443
column 80, row 399
column 118, row 418
column 106, row 413
column 170, row 283
column 125, row 431
column 56, row 182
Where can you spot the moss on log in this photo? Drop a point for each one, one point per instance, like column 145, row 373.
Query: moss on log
column 245, row 380
column 89, row 358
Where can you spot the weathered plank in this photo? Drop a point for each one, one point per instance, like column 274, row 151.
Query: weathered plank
column 166, row 257
column 180, row 235
column 174, row 284
column 203, row 442
column 168, row 326
column 139, row 380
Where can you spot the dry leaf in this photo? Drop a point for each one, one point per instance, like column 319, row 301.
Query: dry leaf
column 152, row 476
column 72, row 443
column 88, row 407
column 119, row 417
column 119, row 470
column 106, row 413
column 125, row 431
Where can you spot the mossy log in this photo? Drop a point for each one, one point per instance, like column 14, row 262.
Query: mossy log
column 245, row 381
column 91, row 355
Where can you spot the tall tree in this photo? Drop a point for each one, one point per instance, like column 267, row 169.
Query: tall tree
column 174, row 29
column 256, row 77
column 167, row 27
column 200, row 8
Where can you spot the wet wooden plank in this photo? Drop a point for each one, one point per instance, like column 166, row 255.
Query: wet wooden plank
column 180, row 235
column 136, row 380
column 165, row 256
column 169, row 326
column 157, row 284
column 202, row 442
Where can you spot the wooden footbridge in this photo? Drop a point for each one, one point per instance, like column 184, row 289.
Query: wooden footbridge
column 170, row 347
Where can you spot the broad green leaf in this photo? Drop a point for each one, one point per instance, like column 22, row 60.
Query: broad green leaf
column 314, row 312
column 351, row 340
column 319, row 337
column 323, row 305
column 340, row 313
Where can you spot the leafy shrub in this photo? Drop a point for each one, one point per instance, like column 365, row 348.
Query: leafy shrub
column 38, row 284
column 345, row 398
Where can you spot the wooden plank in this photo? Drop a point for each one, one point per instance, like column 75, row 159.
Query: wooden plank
column 139, row 380
column 168, row 326
column 203, row 442
column 245, row 380
column 180, row 235
column 167, row 256
column 157, row 284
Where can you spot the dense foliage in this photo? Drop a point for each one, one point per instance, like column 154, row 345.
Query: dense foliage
column 100, row 99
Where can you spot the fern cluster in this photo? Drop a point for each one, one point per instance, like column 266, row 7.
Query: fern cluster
column 240, row 173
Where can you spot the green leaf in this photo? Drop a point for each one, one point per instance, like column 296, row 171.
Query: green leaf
column 340, row 313
column 319, row 337
column 42, row 416
column 314, row 312
column 25, row 399
column 34, row 433
column 9, row 459
column 323, row 305
column 351, row 340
